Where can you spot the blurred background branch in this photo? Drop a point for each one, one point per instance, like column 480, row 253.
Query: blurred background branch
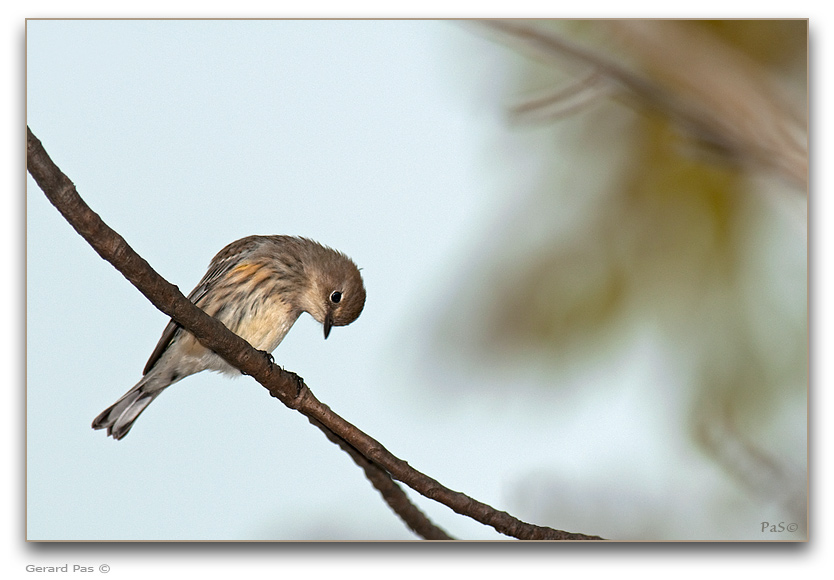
column 717, row 95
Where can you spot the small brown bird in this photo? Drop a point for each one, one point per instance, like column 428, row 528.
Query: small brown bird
column 257, row 286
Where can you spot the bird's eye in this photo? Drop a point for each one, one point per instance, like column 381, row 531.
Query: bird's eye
column 336, row 297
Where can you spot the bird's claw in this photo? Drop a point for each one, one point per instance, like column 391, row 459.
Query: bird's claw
column 299, row 382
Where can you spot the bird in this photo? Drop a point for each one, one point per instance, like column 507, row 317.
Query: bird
column 257, row 287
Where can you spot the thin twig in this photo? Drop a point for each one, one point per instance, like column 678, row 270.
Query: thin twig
column 392, row 493
column 281, row 384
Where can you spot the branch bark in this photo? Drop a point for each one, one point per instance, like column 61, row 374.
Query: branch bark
column 286, row 386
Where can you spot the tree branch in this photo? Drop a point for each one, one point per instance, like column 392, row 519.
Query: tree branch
column 284, row 385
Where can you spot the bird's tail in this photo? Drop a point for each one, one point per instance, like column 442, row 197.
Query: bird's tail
column 118, row 418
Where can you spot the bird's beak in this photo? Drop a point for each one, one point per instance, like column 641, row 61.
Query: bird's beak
column 328, row 323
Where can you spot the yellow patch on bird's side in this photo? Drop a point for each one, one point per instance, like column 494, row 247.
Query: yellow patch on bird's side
column 248, row 274
column 243, row 271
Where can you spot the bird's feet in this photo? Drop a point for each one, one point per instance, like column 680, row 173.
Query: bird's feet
column 299, row 382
